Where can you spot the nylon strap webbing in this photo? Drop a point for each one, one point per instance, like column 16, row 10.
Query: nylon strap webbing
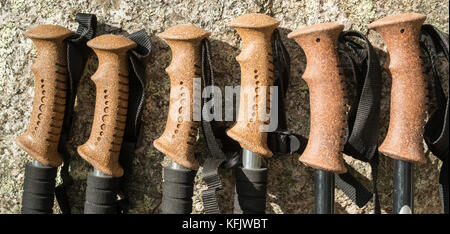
column 362, row 63
column 132, row 134
column 436, row 128
column 77, row 55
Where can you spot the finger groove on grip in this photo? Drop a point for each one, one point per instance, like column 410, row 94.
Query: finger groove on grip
column 177, row 191
column 39, row 188
column 101, row 195
column 250, row 197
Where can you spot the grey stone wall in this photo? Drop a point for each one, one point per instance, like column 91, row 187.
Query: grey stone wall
column 290, row 188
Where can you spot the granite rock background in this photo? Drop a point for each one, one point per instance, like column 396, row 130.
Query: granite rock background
column 290, row 188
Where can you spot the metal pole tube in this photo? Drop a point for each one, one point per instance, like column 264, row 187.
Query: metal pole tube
column 250, row 160
column 98, row 173
column 324, row 192
column 38, row 164
column 403, row 187
column 175, row 166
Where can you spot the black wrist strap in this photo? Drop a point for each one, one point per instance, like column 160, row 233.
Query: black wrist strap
column 436, row 128
column 132, row 138
column 225, row 157
column 77, row 55
column 282, row 141
column 359, row 59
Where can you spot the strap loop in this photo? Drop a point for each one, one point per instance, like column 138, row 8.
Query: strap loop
column 132, row 134
column 363, row 123
column 77, row 55
column 436, row 129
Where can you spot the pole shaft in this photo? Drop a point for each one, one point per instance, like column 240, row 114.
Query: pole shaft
column 324, row 192
column 250, row 160
column 403, row 187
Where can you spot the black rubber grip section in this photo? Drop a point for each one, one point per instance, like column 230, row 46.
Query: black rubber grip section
column 39, row 190
column 177, row 189
column 251, row 188
column 101, row 195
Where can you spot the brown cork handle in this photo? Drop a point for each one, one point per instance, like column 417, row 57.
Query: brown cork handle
column 327, row 96
column 404, row 139
column 41, row 139
column 179, row 137
column 256, row 63
column 111, row 81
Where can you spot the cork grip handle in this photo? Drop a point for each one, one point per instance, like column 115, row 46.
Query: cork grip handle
column 256, row 63
column 327, row 102
column 41, row 138
column 404, row 139
column 179, row 137
column 111, row 80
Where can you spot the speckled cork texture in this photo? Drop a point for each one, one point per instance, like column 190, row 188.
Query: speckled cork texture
column 328, row 106
column 404, row 139
column 290, row 184
column 256, row 62
column 41, row 139
column 111, row 80
column 179, row 138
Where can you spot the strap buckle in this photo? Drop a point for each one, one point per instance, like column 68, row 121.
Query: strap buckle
column 283, row 142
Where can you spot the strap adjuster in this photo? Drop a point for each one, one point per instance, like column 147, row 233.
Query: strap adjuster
column 283, row 142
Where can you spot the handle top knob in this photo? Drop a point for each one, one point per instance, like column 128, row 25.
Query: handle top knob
column 316, row 29
column 184, row 32
column 111, row 42
column 48, row 32
column 255, row 21
column 397, row 19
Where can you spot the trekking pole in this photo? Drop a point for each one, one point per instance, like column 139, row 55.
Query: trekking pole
column 104, row 144
column 404, row 139
column 256, row 61
column 179, row 138
column 328, row 107
column 41, row 139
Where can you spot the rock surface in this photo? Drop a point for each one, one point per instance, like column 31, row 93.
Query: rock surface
column 290, row 188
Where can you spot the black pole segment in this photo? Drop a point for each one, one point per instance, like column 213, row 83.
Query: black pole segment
column 324, row 192
column 250, row 191
column 403, row 187
column 178, row 188
column 101, row 194
column 39, row 189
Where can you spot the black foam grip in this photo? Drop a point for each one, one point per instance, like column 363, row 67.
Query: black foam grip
column 101, row 195
column 250, row 193
column 177, row 189
column 39, row 189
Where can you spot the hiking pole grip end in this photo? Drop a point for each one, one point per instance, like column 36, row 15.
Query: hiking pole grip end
column 328, row 104
column 408, row 104
column 39, row 189
column 250, row 192
column 41, row 138
column 180, row 135
column 111, row 80
column 178, row 188
column 257, row 68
